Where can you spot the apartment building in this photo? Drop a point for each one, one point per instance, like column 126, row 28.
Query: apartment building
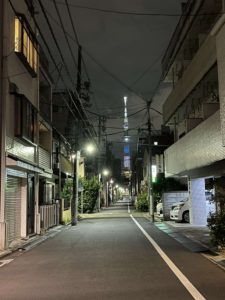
column 26, row 132
column 194, row 66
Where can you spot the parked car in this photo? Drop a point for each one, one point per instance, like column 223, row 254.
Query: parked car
column 180, row 210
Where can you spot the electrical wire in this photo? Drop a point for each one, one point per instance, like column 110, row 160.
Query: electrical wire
column 64, row 32
column 120, row 12
column 96, row 62
column 78, row 43
column 76, row 35
column 54, row 62
column 64, row 64
column 104, row 69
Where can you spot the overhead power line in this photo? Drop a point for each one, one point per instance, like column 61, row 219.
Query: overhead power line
column 66, row 37
column 57, row 68
column 135, row 13
column 103, row 67
column 96, row 61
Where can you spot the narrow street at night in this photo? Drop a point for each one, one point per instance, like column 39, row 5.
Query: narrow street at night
column 112, row 149
column 110, row 258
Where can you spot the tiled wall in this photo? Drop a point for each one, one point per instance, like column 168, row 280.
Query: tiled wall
column 200, row 147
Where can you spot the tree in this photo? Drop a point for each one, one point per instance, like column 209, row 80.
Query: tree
column 216, row 221
column 90, row 194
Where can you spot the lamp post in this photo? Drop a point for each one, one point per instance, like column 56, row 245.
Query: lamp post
column 150, row 195
column 76, row 163
column 111, row 190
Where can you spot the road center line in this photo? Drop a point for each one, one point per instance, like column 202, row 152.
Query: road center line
column 128, row 207
column 183, row 279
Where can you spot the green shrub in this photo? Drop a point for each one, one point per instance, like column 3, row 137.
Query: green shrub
column 216, row 224
column 67, row 193
column 142, row 202
column 91, row 187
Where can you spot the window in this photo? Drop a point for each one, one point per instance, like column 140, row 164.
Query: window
column 25, row 120
column 25, row 44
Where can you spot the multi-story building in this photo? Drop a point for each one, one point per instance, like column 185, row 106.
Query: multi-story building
column 19, row 202
column 194, row 65
column 27, row 186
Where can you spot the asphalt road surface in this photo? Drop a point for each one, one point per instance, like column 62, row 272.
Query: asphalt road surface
column 111, row 258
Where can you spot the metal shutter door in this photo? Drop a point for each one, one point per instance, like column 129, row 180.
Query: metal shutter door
column 13, row 207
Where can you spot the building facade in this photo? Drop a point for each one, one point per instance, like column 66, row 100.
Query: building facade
column 195, row 111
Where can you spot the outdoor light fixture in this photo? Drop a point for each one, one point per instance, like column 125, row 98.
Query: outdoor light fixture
column 105, row 172
column 155, row 143
column 90, row 148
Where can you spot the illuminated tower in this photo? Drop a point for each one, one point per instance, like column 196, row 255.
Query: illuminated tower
column 126, row 148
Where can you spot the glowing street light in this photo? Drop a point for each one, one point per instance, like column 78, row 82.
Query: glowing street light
column 105, row 172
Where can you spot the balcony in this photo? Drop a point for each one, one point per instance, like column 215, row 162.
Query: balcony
column 199, row 148
column 198, row 18
column 197, row 69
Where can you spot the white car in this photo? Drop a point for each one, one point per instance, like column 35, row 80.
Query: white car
column 180, row 211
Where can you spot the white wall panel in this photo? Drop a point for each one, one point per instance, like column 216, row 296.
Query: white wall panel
column 200, row 147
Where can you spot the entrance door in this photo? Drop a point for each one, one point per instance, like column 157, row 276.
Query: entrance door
column 30, row 204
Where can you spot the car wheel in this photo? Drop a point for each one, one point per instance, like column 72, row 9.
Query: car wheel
column 186, row 217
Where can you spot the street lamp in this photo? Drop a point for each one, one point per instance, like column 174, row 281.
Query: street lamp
column 76, row 162
column 105, row 173
column 111, row 189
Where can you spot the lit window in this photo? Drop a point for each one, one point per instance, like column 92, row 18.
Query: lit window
column 17, row 35
column 26, row 44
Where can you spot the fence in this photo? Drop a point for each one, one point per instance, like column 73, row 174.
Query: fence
column 49, row 215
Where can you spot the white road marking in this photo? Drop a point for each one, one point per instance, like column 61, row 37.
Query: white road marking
column 183, row 279
column 128, row 207
column 5, row 262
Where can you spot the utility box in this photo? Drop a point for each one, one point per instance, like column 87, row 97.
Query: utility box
column 169, row 198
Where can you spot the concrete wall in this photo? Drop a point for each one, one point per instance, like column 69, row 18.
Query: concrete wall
column 200, row 147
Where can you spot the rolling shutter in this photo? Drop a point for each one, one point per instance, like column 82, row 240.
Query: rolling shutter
column 13, row 207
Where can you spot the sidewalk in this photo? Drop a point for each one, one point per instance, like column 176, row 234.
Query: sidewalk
column 27, row 244
column 195, row 238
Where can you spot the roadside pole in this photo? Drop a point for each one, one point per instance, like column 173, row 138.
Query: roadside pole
column 2, row 132
column 150, row 196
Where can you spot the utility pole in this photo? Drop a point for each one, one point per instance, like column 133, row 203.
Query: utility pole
column 2, row 133
column 150, row 196
column 99, row 160
column 76, row 157
column 79, row 70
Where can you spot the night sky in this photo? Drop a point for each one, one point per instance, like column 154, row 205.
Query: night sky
column 128, row 47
